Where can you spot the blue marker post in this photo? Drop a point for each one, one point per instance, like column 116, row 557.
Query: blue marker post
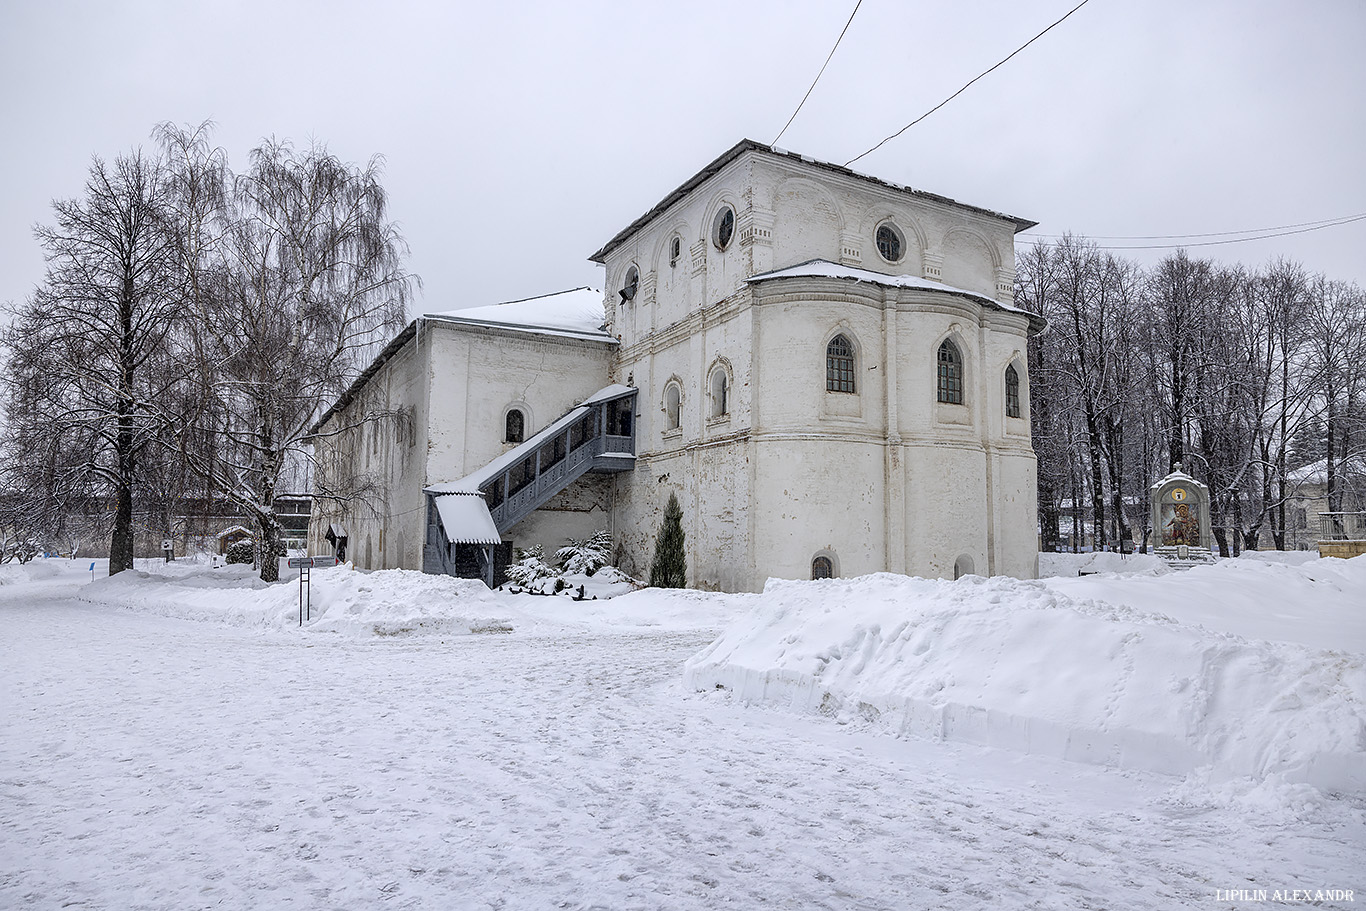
column 92, row 572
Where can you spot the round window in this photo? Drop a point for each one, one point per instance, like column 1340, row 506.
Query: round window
column 889, row 243
column 724, row 228
column 631, row 285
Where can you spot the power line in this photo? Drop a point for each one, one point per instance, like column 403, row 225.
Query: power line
column 1321, row 223
column 1235, row 240
column 818, row 75
column 965, row 88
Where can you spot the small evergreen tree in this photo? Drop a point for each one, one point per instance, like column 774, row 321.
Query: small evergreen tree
column 530, row 570
column 670, row 566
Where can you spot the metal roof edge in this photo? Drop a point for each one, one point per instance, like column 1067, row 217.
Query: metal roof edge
column 750, row 145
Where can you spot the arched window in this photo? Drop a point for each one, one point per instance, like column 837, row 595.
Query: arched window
column 962, row 566
column 516, row 426
column 630, row 285
column 950, row 374
column 822, row 568
column 720, row 405
column 673, row 400
column 675, row 250
column 1012, row 392
column 839, row 365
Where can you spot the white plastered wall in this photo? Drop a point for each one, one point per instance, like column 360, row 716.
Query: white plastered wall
column 883, row 479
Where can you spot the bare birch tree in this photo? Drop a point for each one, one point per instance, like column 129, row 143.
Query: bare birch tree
column 307, row 279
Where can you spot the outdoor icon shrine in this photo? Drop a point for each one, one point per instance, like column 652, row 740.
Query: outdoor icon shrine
column 1180, row 511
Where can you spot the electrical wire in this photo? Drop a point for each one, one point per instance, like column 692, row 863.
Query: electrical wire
column 965, row 88
column 1321, row 223
column 818, row 75
column 1234, row 240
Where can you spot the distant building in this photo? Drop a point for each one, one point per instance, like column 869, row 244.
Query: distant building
column 1306, row 523
column 828, row 370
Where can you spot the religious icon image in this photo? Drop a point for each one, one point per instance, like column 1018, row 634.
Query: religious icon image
column 1182, row 528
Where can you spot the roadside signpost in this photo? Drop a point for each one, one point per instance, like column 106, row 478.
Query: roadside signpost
column 303, row 565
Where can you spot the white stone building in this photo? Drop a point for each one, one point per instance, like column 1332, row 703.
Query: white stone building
column 826, row 368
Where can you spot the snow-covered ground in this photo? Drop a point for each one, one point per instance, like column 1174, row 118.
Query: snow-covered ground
column 173, row 739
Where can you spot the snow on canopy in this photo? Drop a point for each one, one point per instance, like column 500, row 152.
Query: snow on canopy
column 466, row 520
column 578, row 312
column 471, row 482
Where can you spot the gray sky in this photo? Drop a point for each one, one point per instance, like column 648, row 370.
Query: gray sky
column 519, row 137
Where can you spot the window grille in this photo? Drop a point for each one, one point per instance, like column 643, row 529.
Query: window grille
column 822, row 568
column 1012, row 392
column 950, row 374
column 889, row 243
column 839, row 365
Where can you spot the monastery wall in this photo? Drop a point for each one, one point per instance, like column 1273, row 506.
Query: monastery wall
column 476, row 375
column 379, row 441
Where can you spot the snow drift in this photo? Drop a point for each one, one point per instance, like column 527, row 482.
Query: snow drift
column 1021, row 666
column 387, row 602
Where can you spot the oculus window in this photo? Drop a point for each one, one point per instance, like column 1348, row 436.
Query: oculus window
column 723, row 229
column 950, row 385
column 839, row 365
column 890, row 246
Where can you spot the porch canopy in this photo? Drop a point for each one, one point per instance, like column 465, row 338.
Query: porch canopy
column 465, row 519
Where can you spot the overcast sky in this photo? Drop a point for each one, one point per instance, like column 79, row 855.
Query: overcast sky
column 519, row 137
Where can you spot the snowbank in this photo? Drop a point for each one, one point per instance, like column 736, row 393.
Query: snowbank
column 1023, row 666
column 386, row 603
column 1320, row 603
column 398, row 602
column 649, row 609
column 1101, row 562
column 37, row 570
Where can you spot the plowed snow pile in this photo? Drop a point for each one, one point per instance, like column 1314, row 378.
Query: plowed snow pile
column 1023, row 666
column 387, row 603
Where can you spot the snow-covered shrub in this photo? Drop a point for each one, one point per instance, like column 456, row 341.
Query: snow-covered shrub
column 530, row 568
column 586, row 557
column 243, row 551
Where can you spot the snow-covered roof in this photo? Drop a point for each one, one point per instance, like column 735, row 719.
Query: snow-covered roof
column 471, row 482
column 1178, row 475
column 466, row 520
column 749, row 145
column 823, row 268
column 1317, row 472
column 577, row 313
